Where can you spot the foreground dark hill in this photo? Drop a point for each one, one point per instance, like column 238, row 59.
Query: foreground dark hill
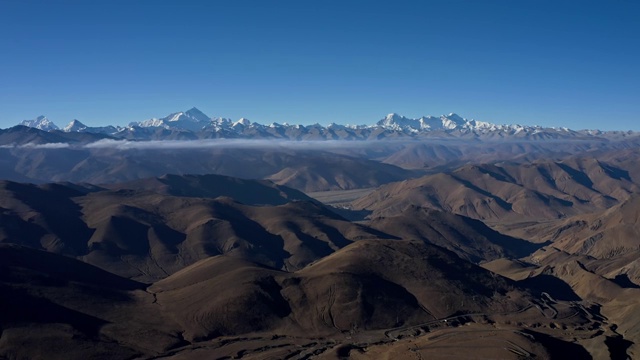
column 569, row 277
column 55, row 307
column 425, row 271
column 509, row 191
column 365, row 286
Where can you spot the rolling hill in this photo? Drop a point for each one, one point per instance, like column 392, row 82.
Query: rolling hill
column 510, row 191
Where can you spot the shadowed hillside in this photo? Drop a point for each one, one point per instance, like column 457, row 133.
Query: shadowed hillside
column 149, row 235
column 468, row 238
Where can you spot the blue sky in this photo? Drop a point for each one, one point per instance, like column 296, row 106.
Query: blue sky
column 550, row 63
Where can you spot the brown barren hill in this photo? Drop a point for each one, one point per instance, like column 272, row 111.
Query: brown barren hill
column 608, row 239
column 148, row 235
column 55, row 307
column 541, row 190
column 617, row 301
column 605, row 235
column 469, row 238
column 368, row 285
column 251, row 192
column 338, row 172
column 152, row 236
column 438, row 279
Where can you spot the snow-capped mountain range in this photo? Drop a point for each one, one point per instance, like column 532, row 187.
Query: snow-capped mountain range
column 41, row 123
column 76, row 126
column 193, row 120
column 194, row 124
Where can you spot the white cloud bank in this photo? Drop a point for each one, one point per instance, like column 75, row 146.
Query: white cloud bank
column 37, row 146
column 222, row 143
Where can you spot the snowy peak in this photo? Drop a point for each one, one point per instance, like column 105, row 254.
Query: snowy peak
column 174, row 117
column 401, row 123
column 453, row 121
column 75, row 126
column 394, row 121
column 192, row 120
column 242, row 122
column 431, row 123
column 44, row 124
column 41, row 123
column 454, row 117
column 196, row 115
column 149, row 123
column 193, row 115
column 393, row 117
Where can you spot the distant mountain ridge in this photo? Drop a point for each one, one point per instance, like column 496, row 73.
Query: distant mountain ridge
column 194, row 124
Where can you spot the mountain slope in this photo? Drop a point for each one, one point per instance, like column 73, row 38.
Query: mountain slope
column 149, row 235
column 367, row 285
column 541, row 190
column 606, row 234
column 55, row 307
column 470, row 239
column 251, row 192
column 325, row 171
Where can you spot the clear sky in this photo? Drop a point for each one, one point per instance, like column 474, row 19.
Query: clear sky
column 551, row 63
